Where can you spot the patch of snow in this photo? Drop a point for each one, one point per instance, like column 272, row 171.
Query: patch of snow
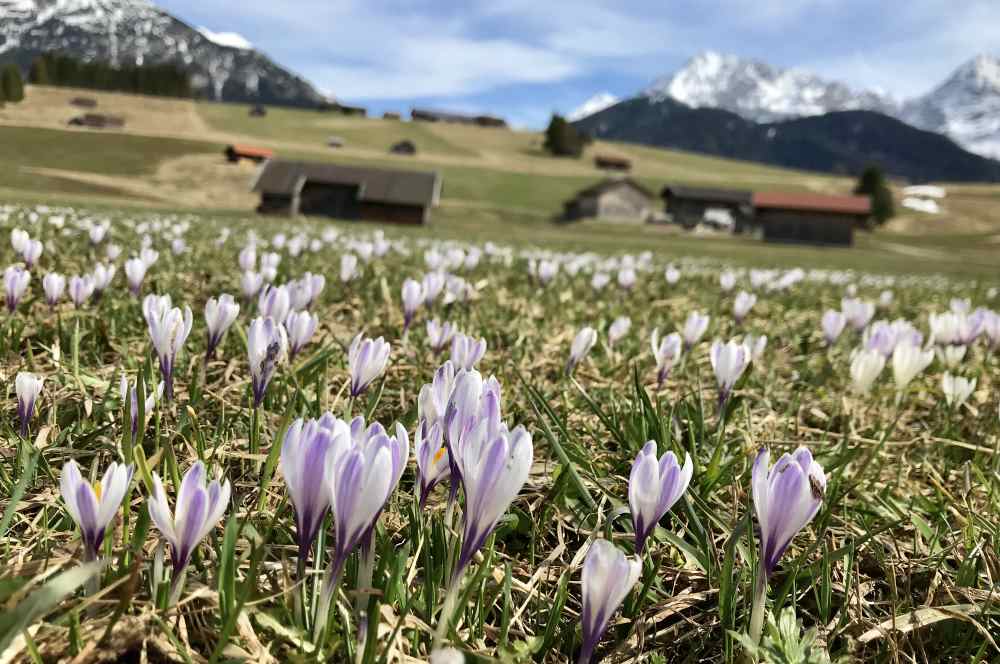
column 924, row 191
column 925, row 205
column 227, row 39
column 595, row 104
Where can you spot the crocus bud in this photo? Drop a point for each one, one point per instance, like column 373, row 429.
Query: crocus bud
column 413, row 297
column 367, row 359
column 15, row 282
column 432, row 402
column 267, row 347
column 251, row 283
column 727, row 281
column 666, row 352
column 952, row 355
column 53, row 284
column 169, row 328
column 618, row 329
column 757, row 346
column 200, row 506
column 582, row 343
column 440, row 334
column 130, row 398
column 248, row 258
column 467, row 351
column 19, row 239
column 858, row 313
column 654, row 486
column 28, row 387
column 112, row 252
column 274, row 302
column 103, row 276
column 219, row 316
column 608, row 577
column 729, row 361
column 94, row 506
column 433, row 464
column 908, row 360
column 149, row 256
column 957, row 389
column 135, row 272
column 97, row 233
column 626, row 278
column 300, row 326
column 433, row 284
column 672, row 275
column 833, row 324
column 866, row 365
column 695, row 327
column 31, row 252
column 348, row 268
column 743, row 304
column 80, row 289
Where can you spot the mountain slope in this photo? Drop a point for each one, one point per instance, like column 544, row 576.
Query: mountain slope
column 223, row 66
column 760, row 92
column 966, row 106
column 839, row 142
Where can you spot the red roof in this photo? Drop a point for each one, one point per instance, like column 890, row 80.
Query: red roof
column 250, row 151
column 786, row 200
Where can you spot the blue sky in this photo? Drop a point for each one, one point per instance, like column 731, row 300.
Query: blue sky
column 524, row 59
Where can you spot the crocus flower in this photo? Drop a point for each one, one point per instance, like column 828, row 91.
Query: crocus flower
column 219, row 316
column 908, row 360
column 957, row 389
column 833, row 324
column 432, row 285
column 626, row 278
column 247, row 258
column 666, row 352
column 348, row 268
column 582, row 343
column 757, row 346
column 466, row 351
column 28, row 387
column 93, row 506
column 885, row 299
column 112, row 252
column 866, row 365
column 413, row 297
column 97, row 233
column 168, row 330
column 618, row 329
column 433, row 464
column 960, row 305
column 608, row 577
column 15, row 282
column 149, row 256
column 727, row 281
column 695, row 327
column 432, row 402
column 672, row 275
column 367, row 359
column 274, row 302
column 267, row 347
column 80, row 289
column 952, row 355
column 729, row 361
column 31, row 252
column 103, row 276
column 991, row 327
column 858, row 313
column 251, row 283
column 269, row 265
column 130, row 396
column 654, row 485
column 19, row 239
column 309, row 288
column 547, row 271
column 53, row 284
column 743, row 304
column 135, row 272
column 305, row 452
column 300, row 326
column 599, row 281
column 200, row 505
column 440, row 334
column 785, row 498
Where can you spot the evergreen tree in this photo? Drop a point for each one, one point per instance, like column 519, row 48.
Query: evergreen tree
column 562, row 139
column 872, row 184
column 11, row 83
column 39, row 72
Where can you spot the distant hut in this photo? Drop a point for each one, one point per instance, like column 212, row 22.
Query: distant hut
column 614, row 199
column 98, row 121
column 391, row 115
column 688, row 206
column 83, row 102
column 236, row 153
column 347, row 192
column 404, row 147
column 344, row 109
column 335, row 142
column 807, row 218
column 257, row 111
column 607, row 162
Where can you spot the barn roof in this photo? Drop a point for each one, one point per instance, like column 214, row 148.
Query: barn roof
column 708, row 195
column 787, row 200
column 612, row 183
column 251, row 151
column 374, row 184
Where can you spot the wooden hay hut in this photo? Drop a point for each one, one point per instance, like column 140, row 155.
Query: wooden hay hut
column 607, row 162
column 807, row 218
column 236, row 153
column 98, row 121
column 688, row 206
column 613, row 199
column 83, row 102
column 404, row 147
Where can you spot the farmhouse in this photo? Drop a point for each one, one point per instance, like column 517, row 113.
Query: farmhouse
column 613, row 199
column 235, row 153
column 607, row 162
column 346, row 192
column 425, row 115
column 689, row 206
column 808, row 218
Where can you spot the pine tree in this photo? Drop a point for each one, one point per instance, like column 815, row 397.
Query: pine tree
column 39, row 72
column 872, row 183
column 562, row 139
column 11, row 83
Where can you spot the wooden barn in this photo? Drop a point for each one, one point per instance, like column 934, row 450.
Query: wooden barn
column 688, row 205
column 607, row 162
column 405, row 146
column 347, row 192
column 425, row 115
column 236, row 153
column 613, row 199
column 807, row 218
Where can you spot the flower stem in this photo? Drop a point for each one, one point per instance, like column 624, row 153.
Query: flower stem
column 759, row 602
column 444, row 621
column 330, row 583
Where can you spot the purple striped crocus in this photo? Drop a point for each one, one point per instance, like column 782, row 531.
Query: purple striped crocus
column 466, row 351
column 440, row 334
column 582, row 343
column 53, row 284
column 607, row 578
column 103, row 276
column 169, row 328
column 93, row 506
column 28, row 387
column 15, row 283
column 267, row 347
column 135, row 272
column 654, row 485
column 130, row 399
column 200, row 505
column 412, row 298
column 367, row 359
column 695, row 326
column 729, row 361
column 220, row 314
column 786, row 497
column 433, row 464
column 666, row 351
column 274, row 302
column 300, row 326
column 80, row 289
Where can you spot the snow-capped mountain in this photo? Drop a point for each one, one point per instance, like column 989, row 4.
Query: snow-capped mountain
column 595, row 104
column 966, row 107
column 760, row 92
column 222, row 65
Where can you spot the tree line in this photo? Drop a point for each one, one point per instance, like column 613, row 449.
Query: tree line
column 163, row 80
